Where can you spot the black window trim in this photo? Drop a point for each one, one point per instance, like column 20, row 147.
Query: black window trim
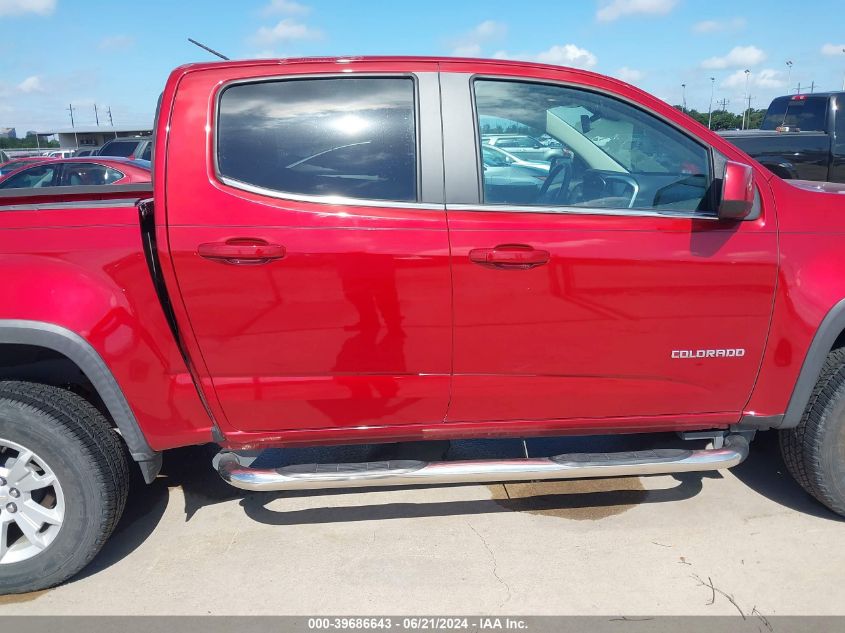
column 318, row 199
column 573, row 210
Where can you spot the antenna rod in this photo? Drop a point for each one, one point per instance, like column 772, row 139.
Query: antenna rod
column 210, row 50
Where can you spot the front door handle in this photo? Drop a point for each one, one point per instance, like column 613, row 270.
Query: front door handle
column 241, row 251
column 510, row 256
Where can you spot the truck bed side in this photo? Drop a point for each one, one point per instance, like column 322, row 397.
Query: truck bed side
column 77, row 286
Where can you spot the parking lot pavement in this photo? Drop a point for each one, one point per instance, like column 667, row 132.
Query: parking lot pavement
column 747, row 540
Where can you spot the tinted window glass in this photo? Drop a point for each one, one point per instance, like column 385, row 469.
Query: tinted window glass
column 89, row 174
column 329, row 137
column 38, row 176
column 607, row 153
column 808, row 114
column 148, row 152
column 118, row 148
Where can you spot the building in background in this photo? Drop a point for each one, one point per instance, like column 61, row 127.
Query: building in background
column 8, row 132
column 93, row 136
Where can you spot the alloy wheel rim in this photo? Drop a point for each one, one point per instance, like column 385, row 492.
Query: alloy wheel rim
column 32, row 503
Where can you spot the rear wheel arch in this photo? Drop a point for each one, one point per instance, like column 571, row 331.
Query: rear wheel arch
column 69, row 345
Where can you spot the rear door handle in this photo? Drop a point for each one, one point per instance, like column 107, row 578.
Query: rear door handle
column 510, row 256
column 241, row 251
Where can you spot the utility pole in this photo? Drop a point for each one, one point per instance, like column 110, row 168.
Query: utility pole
column 70, row 109
column 683, row 97
column 96, row 115
column 812, row 86
column 747, row 97
column 111, row 121
column 710, row 109
column 724, row 104
column 789, row 71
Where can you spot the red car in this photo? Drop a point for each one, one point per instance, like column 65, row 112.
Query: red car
column 322, row 258
column 68, row 172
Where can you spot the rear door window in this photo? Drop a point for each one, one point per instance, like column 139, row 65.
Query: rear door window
column 349, row 137
column 88, row 174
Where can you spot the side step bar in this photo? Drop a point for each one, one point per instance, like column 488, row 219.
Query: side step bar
column 412, row 473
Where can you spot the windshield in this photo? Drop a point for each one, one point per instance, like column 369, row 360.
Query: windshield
column 809, row 114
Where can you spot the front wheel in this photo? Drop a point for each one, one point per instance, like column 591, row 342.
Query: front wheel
column 814, row 451
column 63, row 485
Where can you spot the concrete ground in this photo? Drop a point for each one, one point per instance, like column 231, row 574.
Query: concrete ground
column 746, row 540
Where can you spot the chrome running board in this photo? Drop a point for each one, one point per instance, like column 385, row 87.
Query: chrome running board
column 412, row 472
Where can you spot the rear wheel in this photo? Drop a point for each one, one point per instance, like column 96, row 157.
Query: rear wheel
column 63, row 485
column 814, row 451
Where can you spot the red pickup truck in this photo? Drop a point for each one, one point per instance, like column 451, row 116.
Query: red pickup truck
column 324, row 257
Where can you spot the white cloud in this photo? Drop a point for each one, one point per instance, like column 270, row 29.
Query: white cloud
column 20, row 7
column 765, row 78
column 716, row 26
column 31, row 84
column 631, row 75
column 284, row 7
column 833, row 49
column 559, row 55
column 620, row 8
column 469, row 44
column 568, row 55
column 738, row 56
column 117, row 42
column 284, row 31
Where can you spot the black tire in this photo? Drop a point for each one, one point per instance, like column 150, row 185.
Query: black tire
column 814, row 451
column 90, row 462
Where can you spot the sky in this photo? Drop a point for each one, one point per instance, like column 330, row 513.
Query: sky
column 118, row 54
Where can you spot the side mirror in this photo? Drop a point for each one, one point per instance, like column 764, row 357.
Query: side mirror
column 737, row 191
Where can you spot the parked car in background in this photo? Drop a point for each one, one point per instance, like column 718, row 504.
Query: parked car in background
column 523, row 146
column 333, row 265
column 69, row 172
column 86, row 151
column 60, row 153
column 128, row 147
column 802, row 137
column 507, row 177
column 17, row 163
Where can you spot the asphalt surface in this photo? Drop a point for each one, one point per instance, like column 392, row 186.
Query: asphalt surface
column 747, row 540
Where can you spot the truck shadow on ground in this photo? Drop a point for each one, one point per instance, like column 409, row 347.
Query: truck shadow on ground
column 190, row 469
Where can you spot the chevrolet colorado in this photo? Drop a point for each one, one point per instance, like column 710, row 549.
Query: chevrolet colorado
column 322, row 259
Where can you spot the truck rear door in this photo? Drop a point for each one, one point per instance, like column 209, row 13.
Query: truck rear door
column 308, row 237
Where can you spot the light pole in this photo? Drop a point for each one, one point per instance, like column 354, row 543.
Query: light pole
column 710, row 109
column 684, row 97
column 747, row 76
column 788, row 72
